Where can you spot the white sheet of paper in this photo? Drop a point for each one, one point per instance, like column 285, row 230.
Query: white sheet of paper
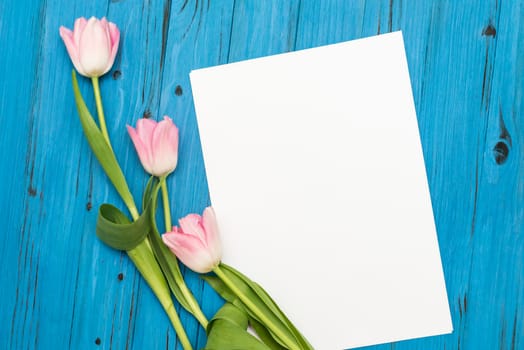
column 316, row 173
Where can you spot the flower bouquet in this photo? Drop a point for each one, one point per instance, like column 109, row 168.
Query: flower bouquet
column 92, row 46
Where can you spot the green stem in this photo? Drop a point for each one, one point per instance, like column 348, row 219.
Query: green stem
column 144, row 260
column 165, row 202
column 100, row 110
column 142, row 255
column 179, row 329
column 290, row 343
column 134, row 211
column 196, row 310
column 103, row 128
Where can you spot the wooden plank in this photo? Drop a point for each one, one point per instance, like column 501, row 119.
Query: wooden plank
column 196, row 34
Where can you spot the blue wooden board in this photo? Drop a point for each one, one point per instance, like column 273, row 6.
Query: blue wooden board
column 61, row 288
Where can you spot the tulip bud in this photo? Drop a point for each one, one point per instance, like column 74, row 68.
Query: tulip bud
column 156, row 145
column 196, row 243
column 92, row 45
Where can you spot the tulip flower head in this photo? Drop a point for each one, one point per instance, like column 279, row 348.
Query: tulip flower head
column 196, row 243
column 92, row 45
column 156, row 145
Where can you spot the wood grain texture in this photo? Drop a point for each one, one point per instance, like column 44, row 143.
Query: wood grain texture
column 61, row 288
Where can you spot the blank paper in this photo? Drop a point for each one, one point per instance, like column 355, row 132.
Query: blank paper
column 316, row 173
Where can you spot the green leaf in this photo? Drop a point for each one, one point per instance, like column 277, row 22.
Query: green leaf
column 117, row 231
column 232, row 314
column 266, row 298
column 101, row 149
column 167, row 260
column 219, row 287
column 304, row 343
column 264, row 302
column 265, row 335
column 147, row 193
column 227, row 331
column 169, row 265
column 250, row 294
column 145, row 262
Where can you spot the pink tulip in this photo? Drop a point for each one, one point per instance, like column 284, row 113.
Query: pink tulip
column 196, row 243
column 156, row 145
column 92, row 45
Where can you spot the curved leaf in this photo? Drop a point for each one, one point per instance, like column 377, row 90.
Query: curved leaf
column 264, row 302
column 265, row 335
column 219, row 287
column 232, row 314
column 227, row 331
column 117, row 231
column 102, row 150
column 168, row 261
column 147, row 193
column 266, row 298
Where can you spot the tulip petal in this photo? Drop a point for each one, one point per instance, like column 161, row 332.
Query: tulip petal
column 142, row 149
column 92, row 45
column 210, row 225
column 173, row 135
column 114, row 35
column 161, row 143
column 181, row 240
column 164, row 137
column 104, row 24
column 78, row 29
column 145, row 128
column 192, row 224
column 94, row 48
column 72, row 49
column 189, row 249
